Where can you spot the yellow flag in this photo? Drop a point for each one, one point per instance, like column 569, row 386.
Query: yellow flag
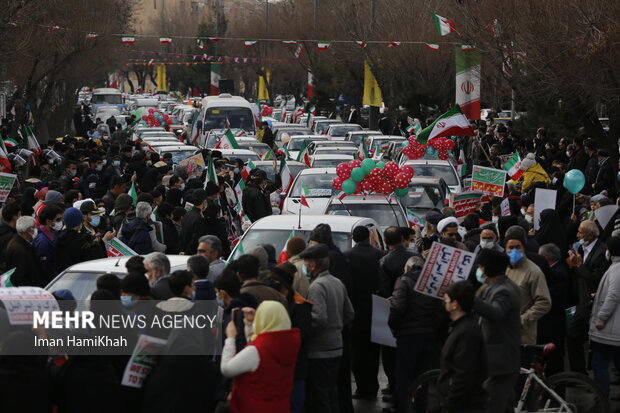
column 162, row 83
column 372, row 92
column 263, row 93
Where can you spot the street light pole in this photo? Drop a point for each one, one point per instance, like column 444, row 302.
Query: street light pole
column 315, row 5
column 266, row 16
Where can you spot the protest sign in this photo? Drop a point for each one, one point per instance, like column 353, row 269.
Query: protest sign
column 188, row 206
column 488, row 180
column 505, row 207
column 465, row 203
column 142, row 360
column 195, row 165
column 6, row 184
column 380, row 332
column 117, row 248
column 604, row 214
column 21, row 302
column 444, row 266
column 543, row 199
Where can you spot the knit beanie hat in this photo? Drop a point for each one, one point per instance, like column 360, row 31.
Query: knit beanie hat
column 73, row 217
column 322, row 233
column 135, row 284
column 123, row 203
column 530, row 160
column 53, row 196
column 294, row 246
column 515, row 232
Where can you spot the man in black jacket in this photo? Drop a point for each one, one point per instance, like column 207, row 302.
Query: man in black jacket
column 498, row 304
column 194, row 225
column 10, row 214
column 414, row 320
column 20, row 255
column 605, row 178
column 364, row 263
column 216, row 226
column 463, row 356
column 256, row 202
column 171, row 235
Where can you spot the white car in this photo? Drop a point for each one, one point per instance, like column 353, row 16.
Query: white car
column 358, row 136
column 321, row 126
column 315, row 145
column 387, row 211
column 244, row 154
column 213, row 137
column 179, row 152
column 319, row 182
column 378, row 145
column 436, row 168
column 276, row 229
column 157, row 139
column 296, row 142
column 81, row 279
column 335, row 150
column 328, row 161
column 338, row 131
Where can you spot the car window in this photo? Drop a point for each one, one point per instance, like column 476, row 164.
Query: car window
column 342, row 130
column 81, row 284
column 278, row 238
column 328, row 163
column 297, row 144
column 437, row 171
column 423, row 197
column 178, row 156
column 335, row 151
column 385, row 215
column 319, row 186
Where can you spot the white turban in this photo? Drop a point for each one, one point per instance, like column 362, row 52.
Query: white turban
column 444, row 223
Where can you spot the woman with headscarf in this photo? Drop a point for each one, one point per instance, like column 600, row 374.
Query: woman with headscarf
column 503, row 223
column 551, row 230
column 263, row 371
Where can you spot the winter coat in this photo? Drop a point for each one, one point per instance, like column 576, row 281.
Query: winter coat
column 585, row 280
column 534, row 173
column 194, row 227
column 606, row 307
column 268, row 388
column 137, row 237
column 413, row 314
column 73, row 247
column 263, row 292
column 392, row 266
column 6, row 234
column 256, row 202
column 535, row 296
column 21, row 256
column 171, row 236
column 464, row 366
column 217, row 227
column 44, row 245
column 605, row 178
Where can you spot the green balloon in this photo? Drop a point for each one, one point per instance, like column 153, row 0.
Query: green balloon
column 367, row 165
column 349, row 186
column 380, row 164
column 357, row 174
column 401, row 192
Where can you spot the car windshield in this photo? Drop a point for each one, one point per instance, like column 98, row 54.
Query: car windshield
column 385, row 215
column 239, row 118
column 357, row 138
column 178, row 156
column 107, row 99
column 328, row 163
column 295, row 170
column 292, row 132
column 296, row 144
column 258, row 148
column 278, row 237
column 81, row 284
column 245, row 157
column 342, row 130
column 336, row 150
column 322, row 127
column 423, row 197
column 319, row 186
column 437, row 171
column 382, row 144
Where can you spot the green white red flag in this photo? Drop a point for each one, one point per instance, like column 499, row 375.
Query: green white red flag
column 303, row 155
column 513, row 167
column 195, row 132
column 211, row 173
column 286, row 176
column 227, row 141
column 451, row 123
column 304, row 193
column 245, row 173
column 283, row 255
column 468, row 82
column 444, row 26
column 133, row 193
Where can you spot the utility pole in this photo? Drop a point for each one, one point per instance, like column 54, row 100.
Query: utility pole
column 315, row 6
column 373, row 112
column 266, row 16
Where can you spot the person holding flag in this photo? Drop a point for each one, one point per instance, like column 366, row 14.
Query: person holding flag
column 256, row 202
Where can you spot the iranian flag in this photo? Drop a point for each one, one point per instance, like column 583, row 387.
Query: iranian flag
column 432, row 46
column 4, row 161
column 414, row 219
column 312, row 110
column 468, row 82
column 324, row 45
column 133, row 193
column 117, row 248
column 128, row 40
column 462, row 164
column 267, row 155
column 289, row 41
column 415, row 127
column 32, row 144
column 249, row 42
column 283, row 255
column 393, row 44
column 286, row 176
column 283, row 115
column 165, row 40
column 91, row 36
column 5, row 279
column 444, row 26
column 211, row 173
column 239, row 193
column 11, row 143
column 303, row 155
column 451, row 123
column 304, row 193
column 361, row 43
column 245, row 173
column 195, row 132
column 362, row 152
column 227, row 141
column 513, row 167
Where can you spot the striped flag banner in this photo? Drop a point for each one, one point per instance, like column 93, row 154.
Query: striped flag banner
column 305, row 191
column 283, row 255
column 513, row 165
column 133, row 193
column 468, row 82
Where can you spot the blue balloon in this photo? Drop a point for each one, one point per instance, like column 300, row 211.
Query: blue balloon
column 431, row 151
column 574, row 180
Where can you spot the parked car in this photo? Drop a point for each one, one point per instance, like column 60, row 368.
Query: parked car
column 319, row 182
column 387, row 211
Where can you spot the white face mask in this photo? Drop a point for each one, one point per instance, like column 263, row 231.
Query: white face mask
column 607, row 255
column 99, row 168
column 523, row 211
column 529, row 219
column 182, row 187
column 57, row 226
column 495, row 219
column 487, row 244
column 34, row 233
column 568, row 154
column 554, row 180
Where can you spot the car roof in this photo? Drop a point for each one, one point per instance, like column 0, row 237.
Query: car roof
column 320, row 157
column 328, row 121
column 336, row 143
column 363, row 199
column 424, row 180
column 269, row 163
column 246, row 139
column 345, row 124
column 236, row 152
column 363, row 132
column 427, row 162
column 393, row 137
column 318, row 171
column 177, row 148
column 117, row 264
column 316, row 137
column 338, row 223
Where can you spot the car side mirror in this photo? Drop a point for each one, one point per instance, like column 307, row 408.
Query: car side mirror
column 282, row 195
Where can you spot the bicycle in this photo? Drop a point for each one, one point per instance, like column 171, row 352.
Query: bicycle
column 562, row 392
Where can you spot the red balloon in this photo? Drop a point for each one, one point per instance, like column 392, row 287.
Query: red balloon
column 145, row 118
column 443, row 155
column 343, row 171
column 412, row 140
column 401, row 180
column 386, row 188
column 367, row 185
column 355, row 163
column 450, row 144
column 338, row 183
column 390, row 169
column 407, row 170
column 151, row 110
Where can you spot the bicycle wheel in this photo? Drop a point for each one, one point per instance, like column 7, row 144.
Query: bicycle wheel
column 580, row 392
column 425, row 395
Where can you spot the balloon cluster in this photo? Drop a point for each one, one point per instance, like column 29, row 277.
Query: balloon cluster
column 156, row 118
column 439, row 147
column 356, row 177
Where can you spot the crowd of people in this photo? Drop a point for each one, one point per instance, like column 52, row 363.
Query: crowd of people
column 297, row 330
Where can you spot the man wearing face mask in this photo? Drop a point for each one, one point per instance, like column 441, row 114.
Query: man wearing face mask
column 535, row 297
column 586, row 268
column 176, row 188
column 488, row 240
column 92, row 218
column 67, row 177
column 20, row 254
column 44, row 243
column 74, row 246
column 497, row 303
column 256, row 202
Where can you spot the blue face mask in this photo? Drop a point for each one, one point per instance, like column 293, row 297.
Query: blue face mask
column 127, row 300
column 95, row 220
column 480, row 276
column 220, row 302
column 304, row 269
column 192, row 296
column 116, row 163
column 515, row 256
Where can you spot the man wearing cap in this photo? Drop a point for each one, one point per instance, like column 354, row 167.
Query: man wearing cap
column 92, row 217
column 116, row 187
column 331, row 312
column 535, row 297
column 605, row 177
column 256, row 201
column 194, row 224
column 430, row 234
column 74, row 246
